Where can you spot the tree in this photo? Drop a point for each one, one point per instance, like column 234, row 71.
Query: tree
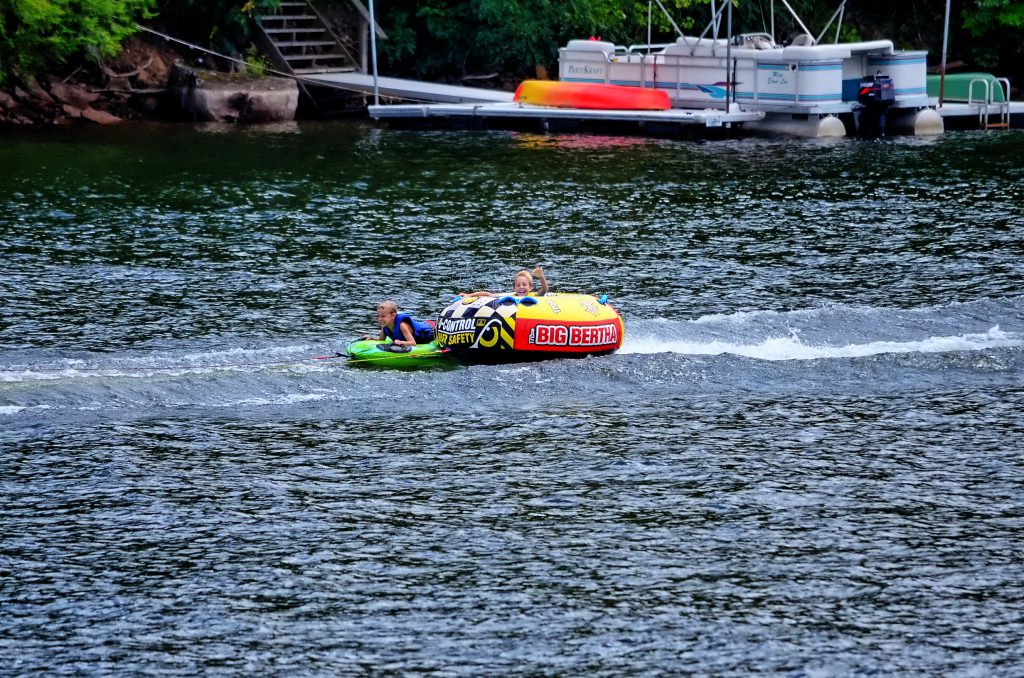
column 222, row 25
column 37, row 34
column 438, row 38
column 997, row 27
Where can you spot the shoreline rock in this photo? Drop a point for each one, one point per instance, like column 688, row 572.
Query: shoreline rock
column 143, row 83
column 210, row 96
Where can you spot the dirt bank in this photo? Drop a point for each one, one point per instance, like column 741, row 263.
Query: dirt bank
column 132, row 86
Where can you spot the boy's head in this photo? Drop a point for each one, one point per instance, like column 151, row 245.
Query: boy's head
column 523, row 283
column 386, row 312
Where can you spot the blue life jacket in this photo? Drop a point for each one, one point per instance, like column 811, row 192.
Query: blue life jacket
column 422, row 332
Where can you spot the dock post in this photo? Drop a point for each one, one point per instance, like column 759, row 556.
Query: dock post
column 373, row 50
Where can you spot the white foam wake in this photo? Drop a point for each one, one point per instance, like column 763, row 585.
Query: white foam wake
column 791, row 348
column 168, row 365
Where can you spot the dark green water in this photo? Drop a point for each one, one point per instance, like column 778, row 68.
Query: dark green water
column 806, row 459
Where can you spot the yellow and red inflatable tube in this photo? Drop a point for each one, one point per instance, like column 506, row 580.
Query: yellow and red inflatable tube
column 512, row 329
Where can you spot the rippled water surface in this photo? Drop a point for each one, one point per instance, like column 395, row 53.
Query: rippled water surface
column 806, row 459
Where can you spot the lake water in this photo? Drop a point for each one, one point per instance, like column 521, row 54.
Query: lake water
column 806, row 459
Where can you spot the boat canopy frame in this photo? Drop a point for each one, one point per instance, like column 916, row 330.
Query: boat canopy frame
column 716, row 17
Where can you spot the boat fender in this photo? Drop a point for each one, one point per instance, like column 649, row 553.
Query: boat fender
column 603, row 299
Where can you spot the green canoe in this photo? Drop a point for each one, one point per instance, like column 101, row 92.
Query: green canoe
column 958, row 87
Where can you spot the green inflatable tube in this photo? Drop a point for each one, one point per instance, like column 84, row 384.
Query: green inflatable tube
column 387, row 354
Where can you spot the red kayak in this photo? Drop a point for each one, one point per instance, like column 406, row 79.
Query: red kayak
column 557, row 94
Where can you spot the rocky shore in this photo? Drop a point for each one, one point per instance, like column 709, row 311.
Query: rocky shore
column 149, row 80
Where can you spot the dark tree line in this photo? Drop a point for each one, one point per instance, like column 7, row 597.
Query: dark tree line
column 445, row 39
column 432, row 38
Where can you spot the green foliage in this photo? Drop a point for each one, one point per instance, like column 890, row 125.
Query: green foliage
column 987, row 15
column 995, row 28
column 438, row 38
column 256, row 63
column 36, row 34
column 449, row 38
column 432, row 38
column 221, row 25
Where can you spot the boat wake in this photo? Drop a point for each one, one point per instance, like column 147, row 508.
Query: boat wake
column 835, row 332
column 766, row 351
column 793, row 348
column 301, row 358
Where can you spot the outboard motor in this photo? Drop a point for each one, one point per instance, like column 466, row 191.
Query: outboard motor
column 876, row 90
column 876, row 94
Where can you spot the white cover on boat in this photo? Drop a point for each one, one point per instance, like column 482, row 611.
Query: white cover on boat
column 877, row 46
column 814, row 52
column 843, row 50
column 687, row 45
column 590, row 46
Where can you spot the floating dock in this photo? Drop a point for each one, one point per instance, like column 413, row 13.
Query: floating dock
column 454, row 106
column 513, row 115
column 963, row 116
column 678, row 121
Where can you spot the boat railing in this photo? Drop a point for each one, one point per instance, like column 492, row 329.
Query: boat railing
column 646, row 48
column 1005, row 82
column 988, row 103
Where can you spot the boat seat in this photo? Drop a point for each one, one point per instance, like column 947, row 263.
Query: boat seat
column 754, row 41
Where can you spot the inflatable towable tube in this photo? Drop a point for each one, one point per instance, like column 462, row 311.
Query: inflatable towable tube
column 513, row 329
column 388, row 354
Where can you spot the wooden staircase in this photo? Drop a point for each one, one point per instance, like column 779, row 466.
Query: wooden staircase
column 298, row 40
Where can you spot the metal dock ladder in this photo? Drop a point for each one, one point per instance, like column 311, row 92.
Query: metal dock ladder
column 988, row 106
